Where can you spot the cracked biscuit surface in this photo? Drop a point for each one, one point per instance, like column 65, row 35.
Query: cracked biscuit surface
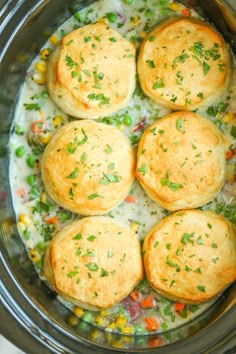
column 184, row 64
column 88, row 167
column 92, row 72
column 181, row 160
column 94, row 262
column 190, row 256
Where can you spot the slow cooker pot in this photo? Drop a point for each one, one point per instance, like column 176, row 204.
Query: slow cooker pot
column 31, row 317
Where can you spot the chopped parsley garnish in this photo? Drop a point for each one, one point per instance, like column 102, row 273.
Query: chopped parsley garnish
column 104, row 273
column 159, row 84
column 143, row 169
column 104, row 100
column 172, row 185
column 94, row 195
column 72, row 274
column 151, row 64
column 74, row 174
column 91, row 238
column 201, row 288
column 32, row 106
column 180, row 124
column 92, row 266
column 187, row 238
column 78, row 237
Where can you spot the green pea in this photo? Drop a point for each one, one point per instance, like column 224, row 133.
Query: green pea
column 112, row 17
column 128, row 2
column 30, row 161
column 41, row 246
column 31, row 180
column 20, row 151
column 19, row 130
column 127, row 120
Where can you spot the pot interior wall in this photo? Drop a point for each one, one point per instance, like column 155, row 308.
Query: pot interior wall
column 23, row 32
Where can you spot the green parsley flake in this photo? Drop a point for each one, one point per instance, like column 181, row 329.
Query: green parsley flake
column 74, row 174
column 92, row 266
column 143, row 169
column 77, row 237
column 91, row 238
column 94, row 195
column 180, row 124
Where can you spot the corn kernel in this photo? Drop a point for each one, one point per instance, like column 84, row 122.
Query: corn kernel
column 127, row 339
column 121, row 321
column 175, row 7
column 41, row 113
column 21, row 227
column 35, row 256
column 136, row 20
column 219, row 115
column 111, row 325
column 228, row 117
column 118, row 344
column 43, row 197
column 39, row 78
column 44, row 138
column 100, row 320
column 104, row 313
column 78, row 311
column 44, row 53
column 143, row 34
column 135, row 226
column 128, row 330
column 58, row 120
column 95, row 334
column 24, row 219
column 103, row 20
column 54, row 39
column 41, row 66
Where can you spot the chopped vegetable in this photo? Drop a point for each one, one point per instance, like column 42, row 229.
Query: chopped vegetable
column 152, row 324
column 130, row 199
column 135, row 295
column 148, row 302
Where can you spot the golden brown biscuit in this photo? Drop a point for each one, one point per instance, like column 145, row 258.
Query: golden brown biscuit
column 94, row 262
column 92, row 72
column 190, row 256
column 88, row 167
column 184, row 64
column 181, row 160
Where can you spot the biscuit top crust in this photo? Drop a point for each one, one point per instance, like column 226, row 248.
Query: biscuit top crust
column 88, row 167
column 96, row 261
column 191, row 255
column 96, row 65
column 181, row 160
column 182, row 63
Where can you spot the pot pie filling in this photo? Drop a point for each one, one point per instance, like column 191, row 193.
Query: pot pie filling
column 37, row 119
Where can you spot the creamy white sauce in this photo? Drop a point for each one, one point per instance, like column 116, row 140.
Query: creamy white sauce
column 141, row 215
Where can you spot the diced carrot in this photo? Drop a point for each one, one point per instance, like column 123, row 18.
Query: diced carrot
column 135, row 295
column 21, row 192
column 52, row 220
column 39, row 126
column 148, row 302
column 130, row 199
column 186, row 12
column 230, row 154
column 151, row 323
column 156, row 342
column 179, row 307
